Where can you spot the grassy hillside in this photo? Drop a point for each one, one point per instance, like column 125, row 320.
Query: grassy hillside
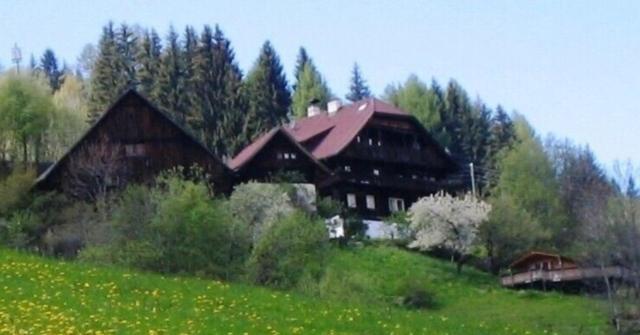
column 47, row 296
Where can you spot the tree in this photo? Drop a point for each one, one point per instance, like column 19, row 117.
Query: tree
column 268, row 94
column 302, row 60
column 632, row 191
column 49, row 67
column 218, row 82
column 170, row 81
column 358, row 89
column 127, row 46
column 310, row 86
column 87, row 60
column 415, row 98
column 444, row 221
column 69, row 119
column 25, row 113
column 148, row 65
column 501, row 137
column 107, row 79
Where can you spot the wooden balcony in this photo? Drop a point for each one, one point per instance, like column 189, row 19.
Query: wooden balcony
column 563, row 275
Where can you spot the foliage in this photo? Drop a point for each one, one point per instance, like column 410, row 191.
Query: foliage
column 444, row 221
column 25, row 113
column 148, row 64
column 14, row 191
column 358, row 88
column 413, row 295
column 69, row 119
column 49, row 66
column 416, row 98
column 257, row 205
column 309, row 86
column 289, row 248
column 329, row 207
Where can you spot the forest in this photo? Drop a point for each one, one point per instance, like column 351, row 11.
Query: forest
column 545, row 192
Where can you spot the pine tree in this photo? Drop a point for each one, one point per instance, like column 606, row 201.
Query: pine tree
column 310, row 86
column 189, row 98
column 169, row 89
column 218, row 83
column 107, row 81
column 268, row 95
column 127, row 45
column 148, row 65
column 301, row 61
column 457, row 110
column 501, row 137
column 358, row 89
column 632, row 191
column 49, row 66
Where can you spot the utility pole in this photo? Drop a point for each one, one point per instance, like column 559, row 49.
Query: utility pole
column 16, row 56
column 473, row 180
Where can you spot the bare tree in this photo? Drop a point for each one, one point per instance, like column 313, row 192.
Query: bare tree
column 96, row 169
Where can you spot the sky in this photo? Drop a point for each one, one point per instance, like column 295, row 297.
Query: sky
column 572, row 68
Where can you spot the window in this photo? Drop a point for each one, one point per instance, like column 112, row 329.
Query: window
column 371, row 201
column 358, row 138
column 286, row 155
column 376, row 172
column 351, row 200
column 370, row 141
column 396, row 204
column 134, row 150
column 347, row 168
column 293, row 155
column 279, row 155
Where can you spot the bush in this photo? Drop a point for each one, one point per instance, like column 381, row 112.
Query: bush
column 14, row 191
column 256, row 205
column 413, row 295
column 292, row 247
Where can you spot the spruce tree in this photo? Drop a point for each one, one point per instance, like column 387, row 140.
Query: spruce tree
column 301, row 61
column 127, row 44
column 632, row 191
column 107, row 81
column 310, row 86
column 358, row 89
column 218, row 83
column 169, row 89
column 268, row 95
column 49, row 66
column 189, row 98
column 148, row 65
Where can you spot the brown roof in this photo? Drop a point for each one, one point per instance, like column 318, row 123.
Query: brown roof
column 536, row 254
column 250, row 151
column 332, row 132
column 340, row 128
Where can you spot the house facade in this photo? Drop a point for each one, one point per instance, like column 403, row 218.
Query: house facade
column 371, row 156
column 132, row 142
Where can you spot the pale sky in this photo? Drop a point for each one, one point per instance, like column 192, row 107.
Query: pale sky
column 571, row 67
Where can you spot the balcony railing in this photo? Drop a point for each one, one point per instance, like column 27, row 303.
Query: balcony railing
column 563, row 275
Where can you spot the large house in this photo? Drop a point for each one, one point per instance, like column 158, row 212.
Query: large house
column 132, row 141
column 372, row 156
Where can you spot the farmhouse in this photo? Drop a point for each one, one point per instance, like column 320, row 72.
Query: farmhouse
column 132, row 141
column 371, row 156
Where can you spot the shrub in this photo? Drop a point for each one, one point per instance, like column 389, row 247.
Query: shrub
column 291, row 247
column 14, row 191
column 256, row 205
column 413, row 295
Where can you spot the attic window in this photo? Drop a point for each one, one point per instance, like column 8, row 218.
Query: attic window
column 347, row 168
column 286, row 155
column 293, row 155
column 376, row 172
column 134, row 150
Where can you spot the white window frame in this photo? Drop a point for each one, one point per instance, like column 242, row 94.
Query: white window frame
column 376, row 172
column 393, row 204
column 351, row 200
column 371, row 201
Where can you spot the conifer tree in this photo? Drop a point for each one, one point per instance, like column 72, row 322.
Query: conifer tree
column 189, row 98
column 301, row 61
column 148, row 65
column 358, row 89
column 107, row 81
column 170, row 88
column 218, row 83
column 310, row 86
column 268, row 95
column 458, row 110
column 51, row 70
column 127, row 44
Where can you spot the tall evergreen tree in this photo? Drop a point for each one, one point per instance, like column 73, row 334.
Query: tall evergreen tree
column 310, row 86
column 268, row 95
column 51, row 70
column 458, row 109
column 302, row 60
column 170, row 87
column 190, row 98
column 501, row 137
column 127, row 44
column 107, row 81
column 148, row 65
column 358, row 89
column 218, row 81
column 632, row 191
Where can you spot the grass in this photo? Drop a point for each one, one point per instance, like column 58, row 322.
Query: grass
column 42, row 296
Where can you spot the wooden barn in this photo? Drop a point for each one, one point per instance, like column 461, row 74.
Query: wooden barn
column 371, row 156
column 131, row 142
column 546, row 270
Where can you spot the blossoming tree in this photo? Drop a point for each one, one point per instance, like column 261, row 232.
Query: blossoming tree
column 442, row 220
